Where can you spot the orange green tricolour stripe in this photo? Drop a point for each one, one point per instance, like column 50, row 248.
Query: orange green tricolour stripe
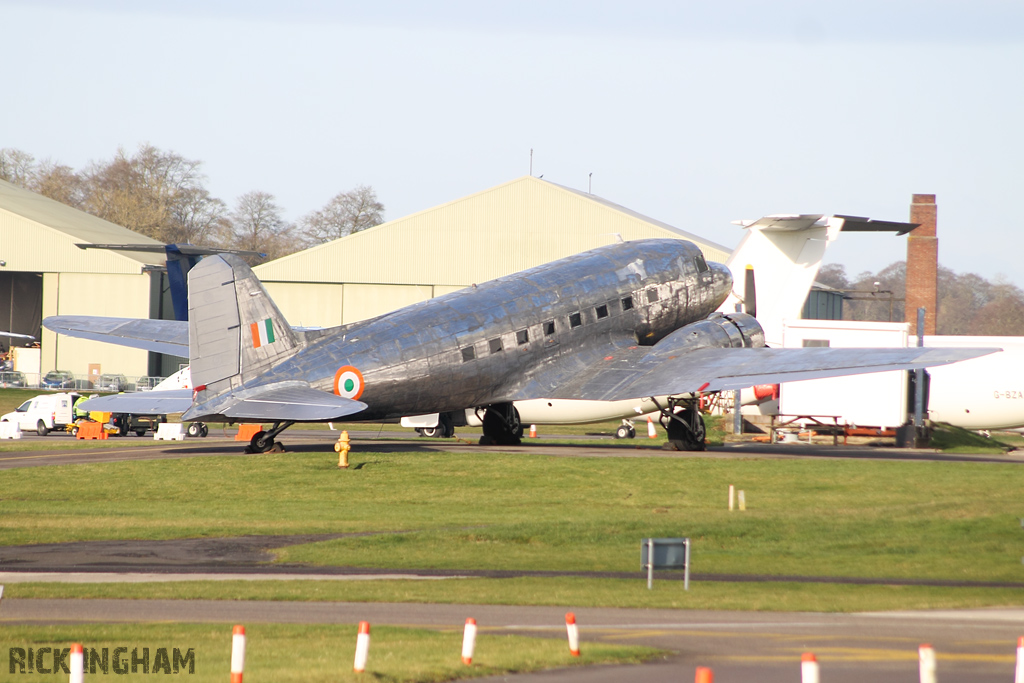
column 262, row 333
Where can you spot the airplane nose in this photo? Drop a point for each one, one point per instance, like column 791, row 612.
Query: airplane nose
column 721, row 281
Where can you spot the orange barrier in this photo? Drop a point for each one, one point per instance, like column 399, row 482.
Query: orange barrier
column 704, row 675
column 246, row 432
column 91, row 430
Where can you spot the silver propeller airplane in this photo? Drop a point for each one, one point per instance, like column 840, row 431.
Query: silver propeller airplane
column 626, row 321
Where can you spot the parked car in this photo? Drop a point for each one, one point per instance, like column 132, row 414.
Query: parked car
column 44, row 413
column 57, row 379
column 12, row 378
column 111, row 382
column 147, row 383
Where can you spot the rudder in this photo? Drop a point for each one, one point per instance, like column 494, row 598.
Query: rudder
column 236, row 330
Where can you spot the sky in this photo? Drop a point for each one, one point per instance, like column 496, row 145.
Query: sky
column 693, row 113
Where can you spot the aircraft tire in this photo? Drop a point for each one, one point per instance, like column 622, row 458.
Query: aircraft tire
column 193, row 429
column 203, row 429
column 260, row 443
column 625, row 432
column 498, row 431
column 681, row 438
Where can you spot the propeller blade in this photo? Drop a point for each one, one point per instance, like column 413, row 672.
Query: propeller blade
column 750, row 292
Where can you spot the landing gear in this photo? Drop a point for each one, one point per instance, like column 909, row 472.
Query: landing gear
column 625, row 430
column 198, row 429
column 684, row 424
column 501, row 425
column 263, row 442
column 445, row 428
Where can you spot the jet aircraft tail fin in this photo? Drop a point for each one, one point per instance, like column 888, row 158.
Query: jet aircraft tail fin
column 236, row 332
column 784, row 253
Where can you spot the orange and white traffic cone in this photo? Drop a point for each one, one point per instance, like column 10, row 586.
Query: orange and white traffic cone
column 362, row 647
column 468, row 641
column 573, row 633
column 926, row 660
column 77, row 663
column 652, row 433
column 533, row 431
column 809, row 672
column 704, row 675
column 237, row 653
column 1019, row 676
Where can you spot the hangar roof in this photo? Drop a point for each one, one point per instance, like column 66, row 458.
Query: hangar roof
column 59, row 227
column 513, row 226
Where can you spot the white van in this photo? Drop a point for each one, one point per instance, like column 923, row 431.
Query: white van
column 44, row 413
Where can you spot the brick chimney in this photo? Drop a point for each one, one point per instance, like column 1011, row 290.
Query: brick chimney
column 922, row 263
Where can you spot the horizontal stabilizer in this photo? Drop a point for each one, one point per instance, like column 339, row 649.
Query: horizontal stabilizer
column 143, row 402
column 291, row 401
column 159, row 336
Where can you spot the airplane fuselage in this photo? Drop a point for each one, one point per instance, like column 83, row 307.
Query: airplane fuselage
column 459, row 350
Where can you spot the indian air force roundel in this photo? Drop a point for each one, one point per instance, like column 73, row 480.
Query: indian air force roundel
column 348, row 382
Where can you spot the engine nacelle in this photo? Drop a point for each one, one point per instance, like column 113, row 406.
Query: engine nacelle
column 730, row 330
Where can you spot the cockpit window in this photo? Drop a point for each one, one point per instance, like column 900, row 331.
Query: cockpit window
column 702, row 265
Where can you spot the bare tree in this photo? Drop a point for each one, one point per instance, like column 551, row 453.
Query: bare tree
column 17, row 167
column 346, row 213
column 198, row 218
column 150, row 192
column 58, row 182
column 257, row 225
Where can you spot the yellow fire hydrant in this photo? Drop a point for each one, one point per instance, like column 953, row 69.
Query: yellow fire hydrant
column 343, row 446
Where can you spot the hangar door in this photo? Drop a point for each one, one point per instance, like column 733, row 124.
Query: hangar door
column 21, row 306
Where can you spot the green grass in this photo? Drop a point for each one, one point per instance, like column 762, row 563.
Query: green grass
column 282, row 652
column 568, row 592
column 495, row 511
column 950, row 439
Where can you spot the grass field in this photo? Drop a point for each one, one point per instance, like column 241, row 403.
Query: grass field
column 952, row 521
column 281, row 653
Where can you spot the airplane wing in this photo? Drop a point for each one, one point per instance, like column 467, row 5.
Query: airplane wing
column 160, row 336
column 143, row 402
column 279, row 402
column 636, row 372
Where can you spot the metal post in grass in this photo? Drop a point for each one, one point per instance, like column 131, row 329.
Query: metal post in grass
column 665, row 553
column 919, row 380
column 650, row 563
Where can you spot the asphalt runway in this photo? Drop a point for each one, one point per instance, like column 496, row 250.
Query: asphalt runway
column 971, row 645
column 222, row 443
column 975, row 645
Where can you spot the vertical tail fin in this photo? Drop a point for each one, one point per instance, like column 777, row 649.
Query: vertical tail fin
column 235, row 330
column 785, row 253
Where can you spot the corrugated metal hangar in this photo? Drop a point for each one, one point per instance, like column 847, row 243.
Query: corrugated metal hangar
column 513, row 226
column 43, row 273
column 516, row 225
